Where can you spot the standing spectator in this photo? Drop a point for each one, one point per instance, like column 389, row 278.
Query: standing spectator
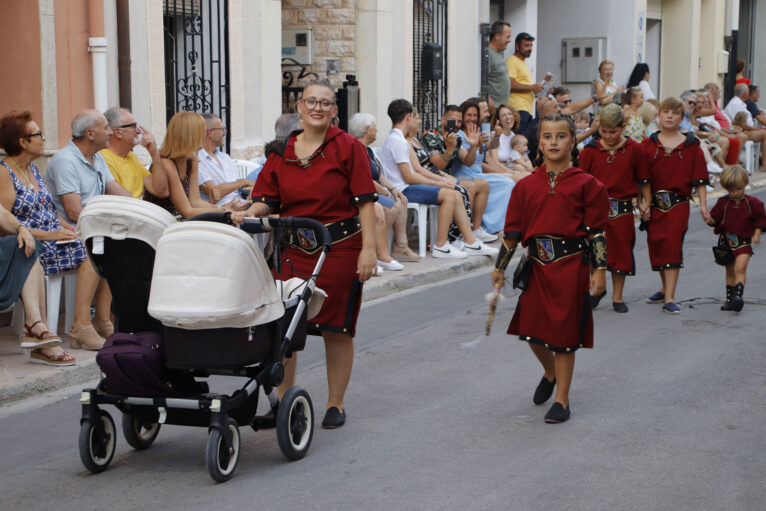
column 676, row 165
column 741, row 72
column 183, row 140
column 752, row 105
column 123, row 162
column 640, row 78
column 551, row 214
column 323, row 173
column 523, row 86
column 632, row 99
column 605, row 88
column 498, row 77
column 424, row 189
column 76, row 173
column 217, row 172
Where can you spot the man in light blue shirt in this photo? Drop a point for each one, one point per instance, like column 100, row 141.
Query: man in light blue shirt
column 77, row 172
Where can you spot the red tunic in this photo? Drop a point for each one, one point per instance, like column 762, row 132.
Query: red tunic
column 677, row 171
column 740, row 217
column 328, row 190
column 621, row 173
column 554, row 310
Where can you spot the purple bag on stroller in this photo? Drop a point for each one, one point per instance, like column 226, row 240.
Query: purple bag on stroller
column 134, row 365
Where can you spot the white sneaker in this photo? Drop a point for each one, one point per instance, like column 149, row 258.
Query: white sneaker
column 709, row 188
column 394, row 265
column 479, row 248
column 378, row 271
column 447, row 252
column 458, row 244
column 714, row 168
column 483, row 236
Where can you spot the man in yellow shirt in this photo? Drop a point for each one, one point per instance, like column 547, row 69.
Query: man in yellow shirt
column 523, row 86
column 123, row 162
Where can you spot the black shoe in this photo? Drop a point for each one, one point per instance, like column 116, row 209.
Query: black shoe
column 333, row 418
column 729, row 295
column 557, row 413
column 543, row 391
column 596, row 299
column 736, row 300
column 619, row 307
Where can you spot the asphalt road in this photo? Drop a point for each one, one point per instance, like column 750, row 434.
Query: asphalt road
column 667, row 413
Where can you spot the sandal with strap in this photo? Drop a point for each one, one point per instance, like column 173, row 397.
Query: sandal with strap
column 59, row 359
column 45, row 339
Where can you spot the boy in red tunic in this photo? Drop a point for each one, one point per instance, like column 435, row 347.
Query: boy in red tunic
column 620, row 164
column 676, row 165
column 559, row 213
column 739, row 220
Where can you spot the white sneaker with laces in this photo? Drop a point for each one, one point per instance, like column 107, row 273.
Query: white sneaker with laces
column 378, row 271
column 483, row 236
column 458, row 244
column 714, row 168
column 447, row 252
column 394, row 265
column 479, row 248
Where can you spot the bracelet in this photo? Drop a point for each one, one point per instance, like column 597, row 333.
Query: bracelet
column 595, row 99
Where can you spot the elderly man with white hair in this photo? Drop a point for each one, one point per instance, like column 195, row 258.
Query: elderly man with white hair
column 737, row 105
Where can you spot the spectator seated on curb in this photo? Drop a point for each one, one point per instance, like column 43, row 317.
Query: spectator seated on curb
column 75, row 174
column 218, row 180
column 123, row 162
column 475, row 193
column 737, row 105
column 395, row 157
column 391, row 207
column 22, row 276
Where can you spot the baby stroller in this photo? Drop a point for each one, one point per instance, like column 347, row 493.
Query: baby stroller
column 205, row 303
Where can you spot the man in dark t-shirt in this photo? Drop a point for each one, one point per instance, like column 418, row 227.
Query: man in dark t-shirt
column 752, row 105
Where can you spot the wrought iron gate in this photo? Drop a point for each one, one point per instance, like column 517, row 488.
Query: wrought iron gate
column 430, row 26
column 196, row 62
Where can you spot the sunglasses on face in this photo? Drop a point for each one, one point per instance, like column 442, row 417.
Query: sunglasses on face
column 131, row 125
column 38, row 134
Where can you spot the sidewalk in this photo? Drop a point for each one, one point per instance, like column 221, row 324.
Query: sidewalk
column 20, row 379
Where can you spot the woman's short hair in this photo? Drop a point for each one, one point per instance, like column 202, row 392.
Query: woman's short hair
column 186, row 132
column 733, row 177
column 611, row 116
column 358, row 124
column 321, row 82
column 605, row 63
column 514, row 113
column 648, row 112
column 673, row 104
column 13, row 126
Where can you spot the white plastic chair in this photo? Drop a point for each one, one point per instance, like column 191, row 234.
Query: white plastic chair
column 244, row 168
column 53, row 284
column 422, row 221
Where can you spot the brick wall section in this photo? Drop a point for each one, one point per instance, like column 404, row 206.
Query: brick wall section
column 334, row 25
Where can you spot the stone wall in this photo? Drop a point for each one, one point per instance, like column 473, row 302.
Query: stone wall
column 334, row 25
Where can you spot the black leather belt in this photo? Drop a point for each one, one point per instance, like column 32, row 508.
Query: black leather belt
column 619, row 207
column 307, row 241
column 664, row 200
column 548, row 249
column 732, row 240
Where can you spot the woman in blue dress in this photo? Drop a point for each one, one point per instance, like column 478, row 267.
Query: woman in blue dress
column 469, row 167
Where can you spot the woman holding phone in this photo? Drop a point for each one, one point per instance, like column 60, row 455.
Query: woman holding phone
column 24, row 193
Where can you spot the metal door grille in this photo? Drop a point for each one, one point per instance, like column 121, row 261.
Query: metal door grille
column 196, row 63
column 429, row 26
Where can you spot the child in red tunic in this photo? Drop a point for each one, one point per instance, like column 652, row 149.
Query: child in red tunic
column 553, row 212
column 620, row 164
column 739, row 220
column 676, row 165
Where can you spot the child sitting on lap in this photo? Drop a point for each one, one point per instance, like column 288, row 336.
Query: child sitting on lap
column 519, row 149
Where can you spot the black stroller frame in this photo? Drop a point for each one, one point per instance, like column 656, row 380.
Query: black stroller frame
column 292, row 416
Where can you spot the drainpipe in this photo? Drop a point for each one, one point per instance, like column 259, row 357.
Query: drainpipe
column 123, row 53
column 97, row 50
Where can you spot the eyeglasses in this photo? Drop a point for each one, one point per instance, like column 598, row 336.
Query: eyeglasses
column 691, row 103
column 566, row 101
column 131, row 125
column 222, row 129
column 312, row 103
column 38, row 134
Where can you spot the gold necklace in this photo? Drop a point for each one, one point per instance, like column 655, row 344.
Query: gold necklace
column 26, row 179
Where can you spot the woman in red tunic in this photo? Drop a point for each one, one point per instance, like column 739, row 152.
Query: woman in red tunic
column 739, row 220
column 559, row 213
column 619, row 163
column 676, row 165
column 324, row 174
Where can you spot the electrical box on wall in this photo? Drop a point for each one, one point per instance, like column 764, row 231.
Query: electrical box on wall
column 298, row 44
column 580, row 58
column 723, row 62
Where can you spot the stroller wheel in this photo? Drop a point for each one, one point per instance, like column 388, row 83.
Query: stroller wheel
column 97, row 442
column 295, row 423
column 139, row 433
column 221, row 462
